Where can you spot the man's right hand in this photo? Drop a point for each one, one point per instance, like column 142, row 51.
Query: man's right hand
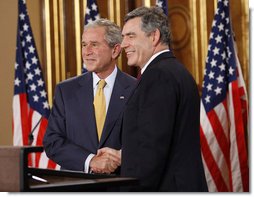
column 106, row 161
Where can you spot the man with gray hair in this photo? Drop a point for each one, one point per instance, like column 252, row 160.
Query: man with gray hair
column 86, row 108
column 160, row 131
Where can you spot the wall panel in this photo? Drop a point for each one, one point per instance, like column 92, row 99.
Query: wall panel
column 190, row 22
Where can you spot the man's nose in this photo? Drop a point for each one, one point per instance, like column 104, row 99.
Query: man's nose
column 88, row 50
column 124, row 43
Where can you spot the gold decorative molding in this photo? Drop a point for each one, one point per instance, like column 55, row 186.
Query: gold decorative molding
column 48, row 50
column 84, row 7
column 115, row 16
column 56, row 41
column 194, row 39
column 215, row 5
column 245, row 40
column 77, row 36
column 118, row 13
column 111, row 10
column 147, row 3
column 62, row 41
column 118, row 22
column 203, row 36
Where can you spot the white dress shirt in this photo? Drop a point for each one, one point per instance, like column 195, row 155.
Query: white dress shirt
column 152, row 58
column 110, row 81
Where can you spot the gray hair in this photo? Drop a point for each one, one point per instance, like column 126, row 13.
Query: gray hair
column 113, row 33
column 151, row 19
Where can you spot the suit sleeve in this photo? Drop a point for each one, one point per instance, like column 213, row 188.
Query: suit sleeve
column 56, row 144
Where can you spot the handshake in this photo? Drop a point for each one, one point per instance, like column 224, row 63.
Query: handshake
column 107, row 160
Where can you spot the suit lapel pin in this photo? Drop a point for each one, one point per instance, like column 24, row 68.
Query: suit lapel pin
column 121, row 97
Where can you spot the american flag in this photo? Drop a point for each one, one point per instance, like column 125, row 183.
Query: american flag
column 92, row 14
column 30, row 103
column 163, row 4
column 224, row 105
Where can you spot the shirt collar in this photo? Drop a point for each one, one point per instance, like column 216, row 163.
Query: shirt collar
column 110, row 80
column 152, row 58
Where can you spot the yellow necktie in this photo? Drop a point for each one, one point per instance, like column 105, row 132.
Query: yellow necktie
column 100, row 107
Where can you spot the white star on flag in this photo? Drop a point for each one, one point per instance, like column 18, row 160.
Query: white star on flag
column 30, row 107
column 224, row 111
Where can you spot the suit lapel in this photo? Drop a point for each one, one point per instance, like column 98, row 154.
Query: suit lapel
column 117, row 102
column 153, row 63
column 85, row 99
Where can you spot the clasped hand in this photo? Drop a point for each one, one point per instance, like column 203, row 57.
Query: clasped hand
column 106, row 160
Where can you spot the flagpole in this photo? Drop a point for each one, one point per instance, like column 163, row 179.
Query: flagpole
column 31, row 136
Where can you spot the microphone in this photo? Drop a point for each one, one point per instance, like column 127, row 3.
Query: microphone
column 31, row 136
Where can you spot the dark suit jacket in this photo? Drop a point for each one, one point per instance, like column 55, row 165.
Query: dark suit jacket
column 160, row 142
column 71, row 133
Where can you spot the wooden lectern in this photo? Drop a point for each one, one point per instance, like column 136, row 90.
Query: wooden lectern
column 16, row 176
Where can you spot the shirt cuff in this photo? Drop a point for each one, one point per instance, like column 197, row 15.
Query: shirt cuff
column 87, row 162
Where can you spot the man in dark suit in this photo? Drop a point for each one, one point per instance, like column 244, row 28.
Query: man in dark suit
column 160, row 139
column 71, row 138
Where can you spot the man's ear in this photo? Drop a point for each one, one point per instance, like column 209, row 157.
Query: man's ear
column 116, row 51
column 156, row 37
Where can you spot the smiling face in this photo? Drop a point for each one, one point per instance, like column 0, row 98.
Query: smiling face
column 96, row 53
column 138, row 46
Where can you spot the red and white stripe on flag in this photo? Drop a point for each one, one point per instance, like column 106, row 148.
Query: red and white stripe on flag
column 30, row 102
column 224, row 149
column 224, row 111
column 24, row 119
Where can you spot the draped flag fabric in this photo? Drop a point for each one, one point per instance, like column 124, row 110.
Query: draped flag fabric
column 92, row 11
column 92, row 14
column 224, row 107
column 163, row 4
column 30, row 103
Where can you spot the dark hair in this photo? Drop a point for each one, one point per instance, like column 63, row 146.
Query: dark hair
column 152, row 18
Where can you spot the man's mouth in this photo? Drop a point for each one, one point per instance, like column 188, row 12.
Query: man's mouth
column 128, row 53
column 89, row 60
